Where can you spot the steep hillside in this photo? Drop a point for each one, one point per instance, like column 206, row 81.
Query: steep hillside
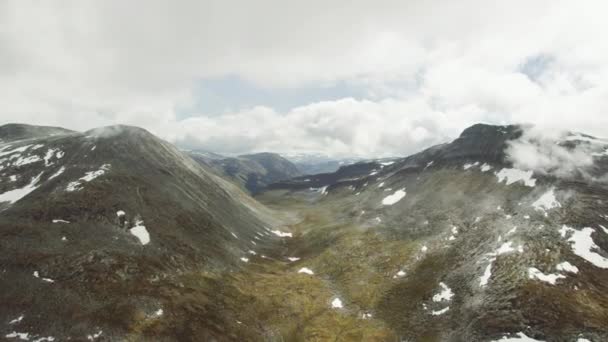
column 457, row 244
column 96, row 228
column 500, row 235
column 251, row 172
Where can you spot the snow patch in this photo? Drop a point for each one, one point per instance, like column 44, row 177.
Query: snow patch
column 14, row 195
column 293, row 259
column 60, row 221
column 535, row 273
column 21, row 336
column 140, row 232
column 583, row 245
column 445, row 294
column 483, row 281
column 399, row 274
column 485, row 167
column 306, row 270
column 505, row 248
column 521, row 337
column 37, row 275
column 566, row 267
column 94, row 336
column 281, row 234
column 89, row 176
column 49, row 154
column 394, row 198
column 469, row 165
column 454, row 233
column 337, row 303
column 322, row 190
column 27, row 160
column 17, row 320
column 17, row 150
column 547, row 201
column 440, row 312
column 60, row 171
column 516, row 175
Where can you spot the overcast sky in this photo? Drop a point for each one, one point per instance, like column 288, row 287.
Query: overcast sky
column 367, row 78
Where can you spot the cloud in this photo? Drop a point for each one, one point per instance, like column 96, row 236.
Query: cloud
column 342, row 127
column 556, row 153
column 427, row 69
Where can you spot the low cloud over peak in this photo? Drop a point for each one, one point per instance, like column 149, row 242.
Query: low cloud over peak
column 361, row 78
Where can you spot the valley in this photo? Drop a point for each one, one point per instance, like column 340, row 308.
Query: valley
column 123, row 237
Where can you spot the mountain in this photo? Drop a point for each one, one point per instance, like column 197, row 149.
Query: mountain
column 103, row 231
column 10, row 132
column 114, row 234
column 456, row 243
column 315, row 163
column 203, row 155
column 251, row 172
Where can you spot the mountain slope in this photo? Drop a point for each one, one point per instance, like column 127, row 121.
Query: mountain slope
column 10, row 132
column 96, row 227
column 500, row 235
column 315, row 163
column 251, row 172
column 456, row 244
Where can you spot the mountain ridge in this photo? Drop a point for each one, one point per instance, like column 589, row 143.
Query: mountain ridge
column 462, row 241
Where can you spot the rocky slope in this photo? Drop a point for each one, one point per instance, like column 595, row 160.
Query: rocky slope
column 457, row 244
column 500, row 235
column 96, row 227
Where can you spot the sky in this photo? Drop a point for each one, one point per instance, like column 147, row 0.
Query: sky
column 344, row 78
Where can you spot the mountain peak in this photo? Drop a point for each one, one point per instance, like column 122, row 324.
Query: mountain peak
column 117, row 130
column 17, row 131
column 482, row 129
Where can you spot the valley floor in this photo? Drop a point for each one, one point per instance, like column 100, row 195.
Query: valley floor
column 328, row 282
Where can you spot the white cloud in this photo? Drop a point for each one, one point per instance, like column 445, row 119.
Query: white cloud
column 555, row 153
column 430, row 68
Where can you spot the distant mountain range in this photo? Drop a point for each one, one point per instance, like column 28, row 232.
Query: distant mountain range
column 251, row 172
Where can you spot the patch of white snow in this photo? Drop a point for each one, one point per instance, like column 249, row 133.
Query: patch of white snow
column 394, row 198
column 535, row 273
column 140, row 232
column 306, row 270
column 515, row 175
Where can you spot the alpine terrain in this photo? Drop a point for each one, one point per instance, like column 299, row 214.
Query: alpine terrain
column 251, row 172
column 116, row 235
